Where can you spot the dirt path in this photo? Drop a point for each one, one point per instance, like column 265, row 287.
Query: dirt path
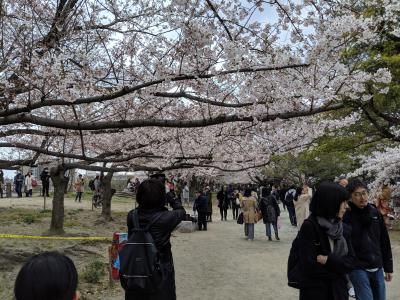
column 210, row 265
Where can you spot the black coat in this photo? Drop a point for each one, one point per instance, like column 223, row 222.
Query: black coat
column 209, row 201
column 370, row 238
column 327, row 281
column 161, row 232
column 223, row 201
column 201, row 204
column 269, row 209
column 45, row 177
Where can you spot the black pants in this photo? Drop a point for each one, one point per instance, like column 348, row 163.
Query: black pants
column 28, row 193
column 202, row 220
column 167, row 288
column 78, row 196
column 235, row 211
column 45, row 189
column 223, row 211
column 292, row 215
column 209, row 216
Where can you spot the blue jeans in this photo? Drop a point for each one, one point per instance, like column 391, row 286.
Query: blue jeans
column 368, row 285
column 268, row 229
column 249, row 231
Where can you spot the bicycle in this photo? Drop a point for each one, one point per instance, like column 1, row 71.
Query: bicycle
column 97, row 200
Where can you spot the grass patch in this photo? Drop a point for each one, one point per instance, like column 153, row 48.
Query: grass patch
column 22, row 215
column 93, row 272
column 29, row 219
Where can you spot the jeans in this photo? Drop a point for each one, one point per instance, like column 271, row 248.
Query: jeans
column 368, row 285
column 235, row 212
column 268, row 229
column 292, row 215
column 249, row 231
column 18, row 189
column 78, row 196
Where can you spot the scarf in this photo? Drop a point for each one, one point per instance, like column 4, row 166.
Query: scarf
column 334, row 230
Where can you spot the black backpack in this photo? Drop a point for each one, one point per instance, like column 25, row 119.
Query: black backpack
column 289, row 198
column 91, row 184
column 140, row 267
column 294, row 272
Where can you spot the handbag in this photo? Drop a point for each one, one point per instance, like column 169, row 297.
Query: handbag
column 240, row 219
column 34, row 183
column 258, row 216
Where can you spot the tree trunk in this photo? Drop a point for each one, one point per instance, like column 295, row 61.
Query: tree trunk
column 107, row 196
column 72, row 180
column 60, row 182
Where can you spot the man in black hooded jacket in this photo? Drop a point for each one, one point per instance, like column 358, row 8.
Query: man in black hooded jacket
column 370, row 239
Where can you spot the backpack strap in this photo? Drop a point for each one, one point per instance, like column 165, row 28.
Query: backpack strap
column 136, row 225
column 317, row 232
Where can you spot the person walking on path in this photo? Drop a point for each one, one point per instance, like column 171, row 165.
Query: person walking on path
column 200, row 205
column 45, row 178
column 374, row 261
column 289, row 198
column 28, row 184
column 79, row 188
column 18, row 183
column 222, row 203
column 208, row 195
column 270, row 211
column 235, row 205
column 325, row 249
column 1, row 183
column 185, row 194
column 230, row 197
column 151, row 199
column 249, row 209
column 382, row 203
column 301, row 206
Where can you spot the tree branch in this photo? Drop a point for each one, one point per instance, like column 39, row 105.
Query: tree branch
column 220, row 119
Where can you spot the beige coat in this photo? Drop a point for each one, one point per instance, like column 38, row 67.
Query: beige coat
column 79, row 185
column 301, row 207
column 249, row 207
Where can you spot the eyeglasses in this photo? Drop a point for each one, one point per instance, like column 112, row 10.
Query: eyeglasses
column 359, row 195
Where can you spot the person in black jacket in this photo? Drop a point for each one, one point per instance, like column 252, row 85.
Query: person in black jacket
column 371, row 245
column 325, row 250
column 208, row 195
column 200, row 205
column 223, row 203
column 270, row 211
column 151, row 199
column 45, row 178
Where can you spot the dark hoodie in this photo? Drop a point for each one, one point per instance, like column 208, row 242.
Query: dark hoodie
column 161, row 232
column 370, row 238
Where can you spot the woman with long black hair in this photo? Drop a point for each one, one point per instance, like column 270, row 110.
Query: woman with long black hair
column 151, row 210
column 325, row 250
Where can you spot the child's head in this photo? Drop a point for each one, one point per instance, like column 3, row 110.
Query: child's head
column 47, row 276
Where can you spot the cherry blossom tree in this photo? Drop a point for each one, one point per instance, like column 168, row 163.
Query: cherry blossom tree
column 156, row 85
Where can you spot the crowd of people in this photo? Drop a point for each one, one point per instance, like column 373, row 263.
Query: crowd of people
column 342, row 244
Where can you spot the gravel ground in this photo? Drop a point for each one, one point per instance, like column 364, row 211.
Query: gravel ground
column 214, row 264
